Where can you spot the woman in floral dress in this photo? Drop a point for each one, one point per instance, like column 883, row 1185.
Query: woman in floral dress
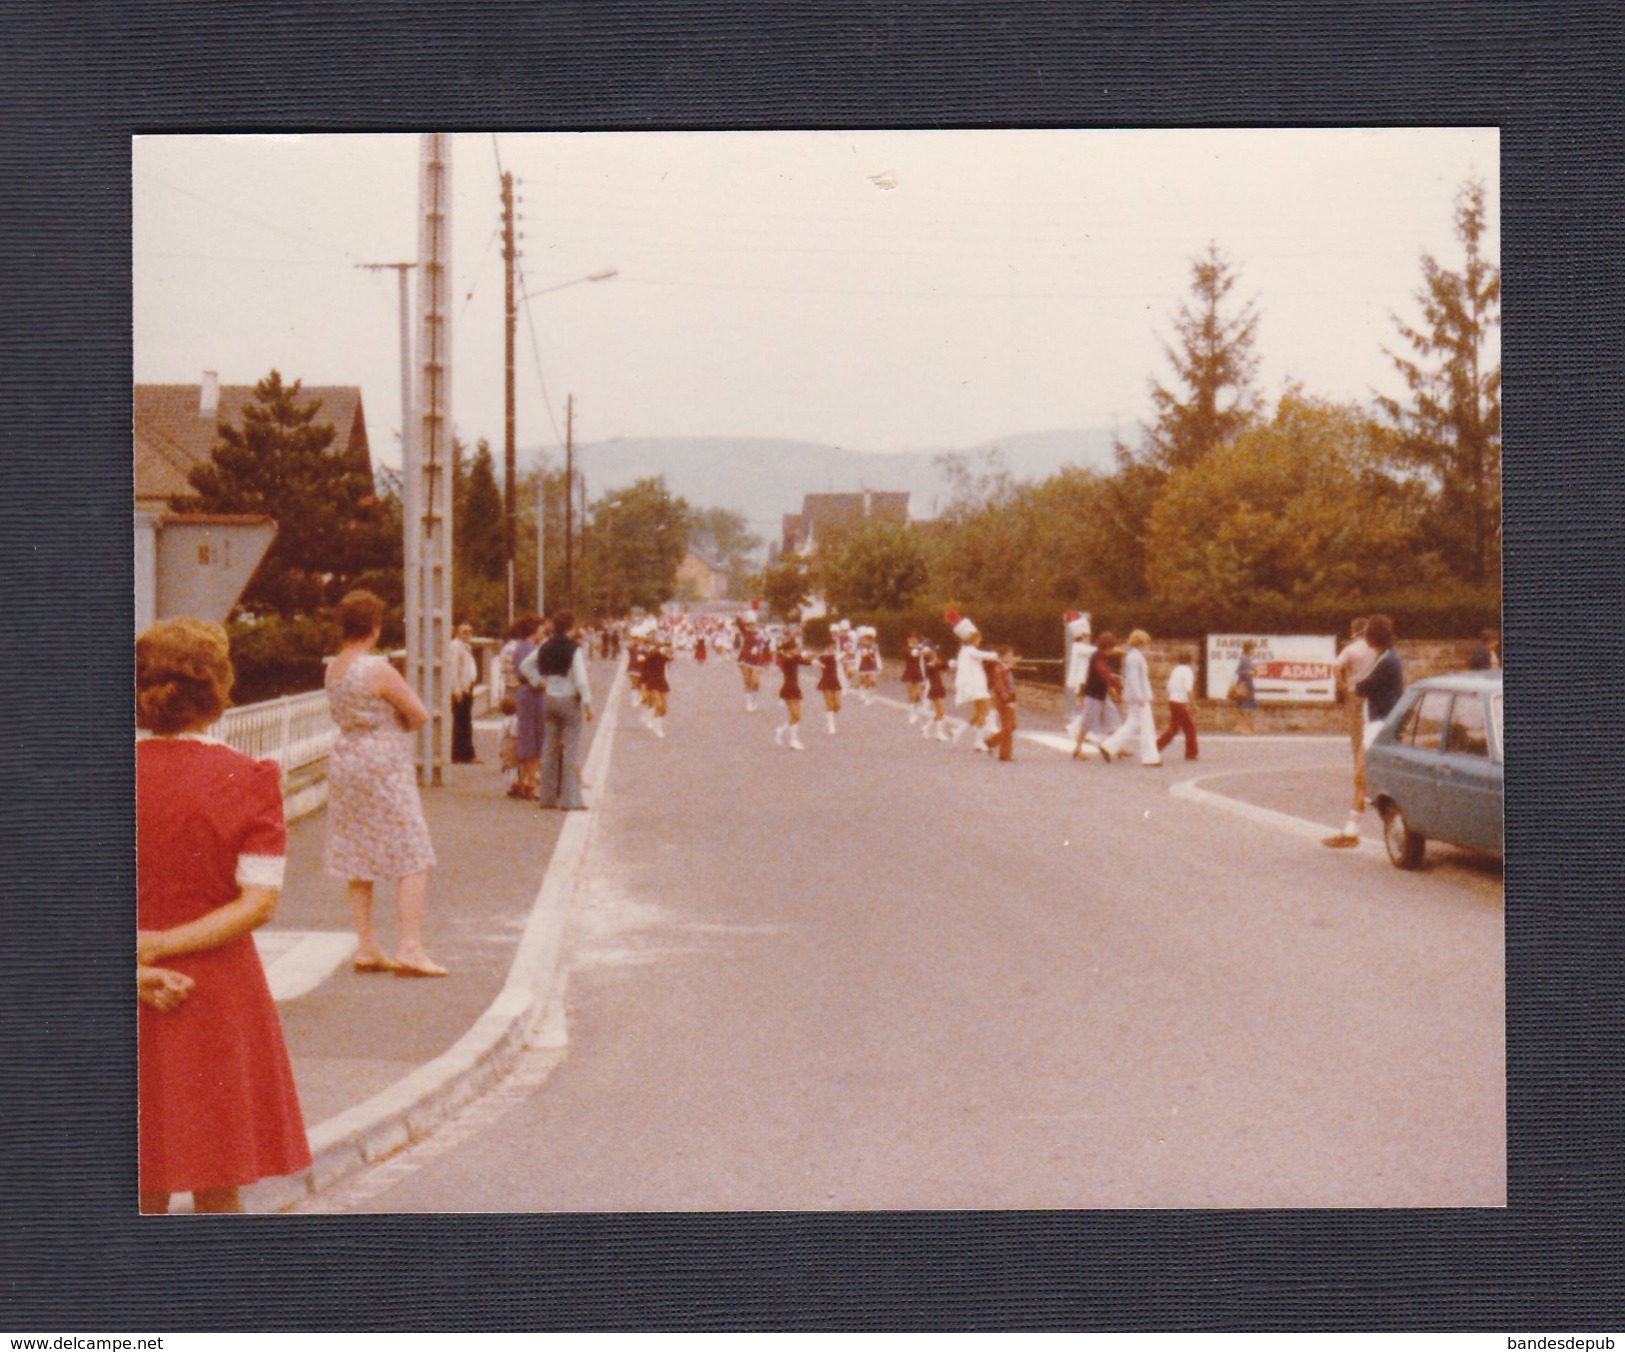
column 375, row 825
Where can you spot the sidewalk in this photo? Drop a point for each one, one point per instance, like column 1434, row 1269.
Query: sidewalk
column 380, row 1060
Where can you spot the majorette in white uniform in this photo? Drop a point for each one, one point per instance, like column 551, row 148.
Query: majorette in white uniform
column 1080, row 648
column 970, row 677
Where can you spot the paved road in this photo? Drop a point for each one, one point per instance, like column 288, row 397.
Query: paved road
column 881, row 974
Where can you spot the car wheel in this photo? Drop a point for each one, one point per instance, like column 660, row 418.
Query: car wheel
column 1405, row 846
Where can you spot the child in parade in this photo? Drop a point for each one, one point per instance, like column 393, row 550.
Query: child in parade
column 932, row 664
column 970, row 676
column 868, row 664
column 831, row 681
column 790, row 660
column 1080, row 647
column 914, row 679
column 656, row 658
column 754, row 656
column 1001, row 680
column 1181, row 682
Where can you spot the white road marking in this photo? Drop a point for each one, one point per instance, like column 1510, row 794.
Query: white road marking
column 298, row 961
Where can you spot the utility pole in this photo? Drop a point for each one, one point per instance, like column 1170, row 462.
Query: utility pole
column 569, row 499
column 511, row 317
column 429, row 483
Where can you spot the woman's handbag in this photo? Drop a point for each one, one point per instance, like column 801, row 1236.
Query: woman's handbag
column 1237, row 692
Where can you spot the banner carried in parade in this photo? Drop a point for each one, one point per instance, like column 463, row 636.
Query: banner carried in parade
column 1287, row 668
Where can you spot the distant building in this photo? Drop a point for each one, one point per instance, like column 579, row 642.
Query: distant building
column 701, row 578
column 826, row 514
column 177, row 426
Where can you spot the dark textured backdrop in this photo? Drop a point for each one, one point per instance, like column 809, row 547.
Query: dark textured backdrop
column 75, row 82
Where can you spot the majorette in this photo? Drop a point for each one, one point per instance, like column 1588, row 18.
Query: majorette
column 970, row 677
column 754, row 654
column 868, row 662
column 830, row 683
column 790, row 660
column 1080, row 648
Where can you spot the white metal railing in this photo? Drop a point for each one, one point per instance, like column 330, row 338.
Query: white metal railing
column 294, row 731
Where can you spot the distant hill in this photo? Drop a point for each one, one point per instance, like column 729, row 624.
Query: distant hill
column 764, row 478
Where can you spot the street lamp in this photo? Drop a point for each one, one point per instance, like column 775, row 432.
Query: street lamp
column 603, row 275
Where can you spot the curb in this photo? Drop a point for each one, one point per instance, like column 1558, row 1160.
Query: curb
column 412, row 1107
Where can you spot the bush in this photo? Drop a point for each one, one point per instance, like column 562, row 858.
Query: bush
column 274, row 657
column 1034, row 629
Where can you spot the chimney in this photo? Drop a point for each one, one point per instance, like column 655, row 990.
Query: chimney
column 209, row 403
column 867, row 497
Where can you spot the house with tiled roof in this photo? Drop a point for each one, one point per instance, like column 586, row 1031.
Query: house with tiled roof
column 825, row 514
column 194, row 564
column 176, row 427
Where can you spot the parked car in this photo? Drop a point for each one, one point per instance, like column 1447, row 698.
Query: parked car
column 1434, row 771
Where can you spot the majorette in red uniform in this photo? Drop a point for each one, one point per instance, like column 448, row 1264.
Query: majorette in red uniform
column 754, row 656
column 830, row 684
column 868, row 663
column 790, row 659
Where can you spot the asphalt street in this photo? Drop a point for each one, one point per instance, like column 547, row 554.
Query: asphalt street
column 883, row 974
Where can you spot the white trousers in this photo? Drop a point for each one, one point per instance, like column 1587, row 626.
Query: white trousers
column 1138, row 727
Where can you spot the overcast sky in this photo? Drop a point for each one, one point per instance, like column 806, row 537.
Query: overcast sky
column 879, row 291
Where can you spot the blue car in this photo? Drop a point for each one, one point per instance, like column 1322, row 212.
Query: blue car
column 1434, row 771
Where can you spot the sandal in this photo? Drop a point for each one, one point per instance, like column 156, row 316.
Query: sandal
column 427, row 967
column 378, row 964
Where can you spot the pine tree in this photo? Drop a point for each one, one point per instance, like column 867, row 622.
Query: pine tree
column 1215, row 365
column 332, row 526
column 477, row 530
column 1451, row 428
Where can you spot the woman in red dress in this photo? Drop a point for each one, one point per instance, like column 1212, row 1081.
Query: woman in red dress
column 217, row 1100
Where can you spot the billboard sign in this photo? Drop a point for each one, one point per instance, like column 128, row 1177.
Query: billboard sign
column 1287, row 668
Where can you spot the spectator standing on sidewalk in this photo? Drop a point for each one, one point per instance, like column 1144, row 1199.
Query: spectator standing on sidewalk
column 465, row 672
column 375, row 824
column 561, row 665
column 1245, row 690
column 1385, row 682
column 1181, row 682
column 1352, row 665
column 218, row 1108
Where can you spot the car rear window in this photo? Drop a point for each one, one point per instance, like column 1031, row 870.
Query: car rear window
column 1468, row 734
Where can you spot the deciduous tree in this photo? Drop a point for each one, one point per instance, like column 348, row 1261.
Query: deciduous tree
column 1305, row 508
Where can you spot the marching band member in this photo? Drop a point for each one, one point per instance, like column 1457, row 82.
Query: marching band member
column 970, row 676
column 932, row 665
column 790, row 660
column 830, row 682
column 1080, row 648
column 914, row 679
column 868, row 664
column 656, row 657
column 754, row 657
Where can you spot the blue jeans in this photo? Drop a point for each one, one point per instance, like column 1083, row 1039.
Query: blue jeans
column 561, row 753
